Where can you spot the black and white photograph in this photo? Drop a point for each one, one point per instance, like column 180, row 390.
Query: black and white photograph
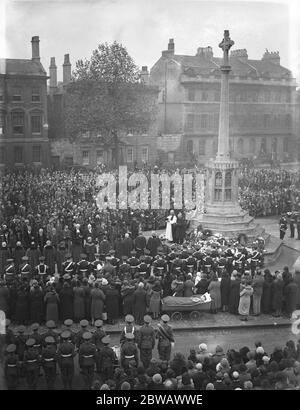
column 149, row 198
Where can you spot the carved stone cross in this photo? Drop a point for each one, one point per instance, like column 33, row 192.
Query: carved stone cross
column 225, row 45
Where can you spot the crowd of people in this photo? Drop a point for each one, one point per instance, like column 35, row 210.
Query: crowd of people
column 34, row 359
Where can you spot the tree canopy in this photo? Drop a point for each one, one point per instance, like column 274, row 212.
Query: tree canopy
column 107, row 97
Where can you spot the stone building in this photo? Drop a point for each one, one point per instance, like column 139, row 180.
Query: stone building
column 262, row 104
column 23, row 111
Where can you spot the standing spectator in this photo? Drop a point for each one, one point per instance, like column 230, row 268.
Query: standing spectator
column 245, row 300
column 234, row 296
column 257, row 284
column 266, row 301
column 225, row 290
column 79, row 302
column 22, row 306
column 215, row 293
column 155, row 300
column 66, row 302
column 139, row 303
column 36, row 302
column 52, row 303
column 277, row 292
column 291, row 297
column 112, row 303
column 97, row 303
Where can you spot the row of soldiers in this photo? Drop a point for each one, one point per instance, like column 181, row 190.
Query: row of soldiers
column 291, row 219
column 25, row 355
column 176, row 259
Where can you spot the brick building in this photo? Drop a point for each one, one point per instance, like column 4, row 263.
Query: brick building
column 23, row 111
column 263, row 104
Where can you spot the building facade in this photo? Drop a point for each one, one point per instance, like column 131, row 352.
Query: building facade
column 263, row 104
column 23, row 111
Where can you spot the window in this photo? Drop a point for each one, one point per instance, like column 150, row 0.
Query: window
column 243, row 96
column 204, row 96
column 267, row 121
column 217, row 96
column 204, row 121
column 189, row 125
column 17, row 119
column 129, row 154
column 191, row 94
column 278, row 97
column 18, row 155
column 85, row 158
column 100, row 156
column 254, row 96
column 17, row 94
column 215, row 146
column 202, row 147
column 216, row 120
column 228, row 182
column 144, row 154
column 218, row 179
column 274, row 145
column 288, row 97
column 2, row 155
column 36, row 124
column 35, row 96
column 190, row 146
column 267, row 96
column 263, row 146
column 240, row 146
column 288, row 120
column 36, row 153
column 252, row 145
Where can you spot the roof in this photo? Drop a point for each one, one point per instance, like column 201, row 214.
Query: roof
column 21, row 67
column 199, row 65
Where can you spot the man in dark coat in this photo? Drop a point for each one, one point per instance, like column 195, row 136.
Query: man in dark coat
column 153, row 244
column 180, row 229
column 18, row 254
column 4, row 255
column 66, row 302
column 140, row 244
column 50, row 256
column 277, row 294
column 36, row 303
column 139, row 303
column 291, row 297
column 112, row 303
column 33, row 254
column 127, row 245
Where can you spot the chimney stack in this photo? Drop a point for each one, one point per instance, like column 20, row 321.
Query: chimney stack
column 66, row 70
column 35, row 47
column 53, row 74
column 171, row 49
column 145, row 75
column 272, row 56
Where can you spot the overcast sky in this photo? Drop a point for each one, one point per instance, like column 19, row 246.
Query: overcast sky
column 144, row 27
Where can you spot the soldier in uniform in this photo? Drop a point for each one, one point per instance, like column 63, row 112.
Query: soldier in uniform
column 87, row 359
column 148, row 261
column 190, row 263
column 79, row 337
column 49, row 362
column 114, row 261
column 65, row 358
column 160, row 266
column 282, row 226
column 140, row 243
column 143, row 267
column 83, row 266
column 10, row 271
column 97, row 265
column 50, row 332
column 42, row 270
column 68, row 266
column 133, row 262
column 124, row 267
column 20, row 342
column 292, row 222
column 25, row 269
column 129, row 351
column 106, row 359
column 31, row 364
column 165, row 338
column 146, row 341
column 11, row 367
column 38, row 338
column 177, row 265
column 128, row 328
column 97, row 337
column 68, row 323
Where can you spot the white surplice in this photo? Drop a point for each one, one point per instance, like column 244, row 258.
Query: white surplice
column 170, row 221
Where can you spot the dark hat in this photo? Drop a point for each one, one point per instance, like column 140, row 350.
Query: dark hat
column 66, row 276
column 87, row 336
column 30, row 342
column 129, row 336
column 165, row 318
column 147, row 319
column 146, row 252
column 98, row 323
column 84, row 323
column 129, row 318
column 68, row 322
column 50, row 324
column 21, row 329
column 49, row 339
column 83, row 256
column 35, row 326
column 25, row 258
column 68, row 256
column 133, row 252
column 42, row 258
column 105, row 340
column 11, row 348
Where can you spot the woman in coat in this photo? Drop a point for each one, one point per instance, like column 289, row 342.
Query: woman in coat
column 78, row 302
column 246, row 291
column 22, row 306
column 277, row 292
column 36, row 303
column 66, row 302
column 290, row 297
column 51, row 300
column 97, row 302
column 225, row 290
column 215, row 293
column 127, row 291
column 234, row 295
column 112, row 303
column 87, row 297
column 266, row 300
column 257, row 284
column 139, row 303
column 155, row 300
